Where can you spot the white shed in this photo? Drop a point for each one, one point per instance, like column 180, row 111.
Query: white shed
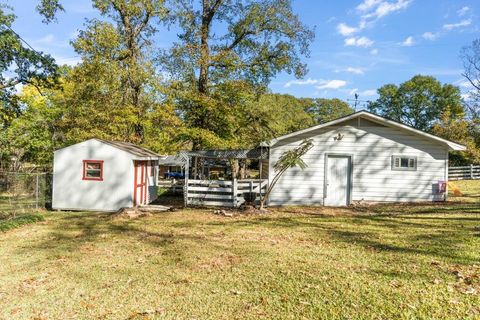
column 103, row 175
column 362, row 157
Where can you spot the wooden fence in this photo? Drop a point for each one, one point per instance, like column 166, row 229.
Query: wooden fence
column 173, row 186
column 464, row 173
column 221, row 193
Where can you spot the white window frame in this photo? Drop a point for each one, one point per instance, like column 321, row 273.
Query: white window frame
column 410, row 160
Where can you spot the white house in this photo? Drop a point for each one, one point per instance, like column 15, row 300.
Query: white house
column 362, row 157
column 103, row 175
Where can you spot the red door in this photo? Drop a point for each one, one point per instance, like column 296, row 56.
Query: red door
column 140, row 183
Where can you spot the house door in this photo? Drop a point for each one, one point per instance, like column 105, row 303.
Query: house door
column 337, row 180
column 140, row 183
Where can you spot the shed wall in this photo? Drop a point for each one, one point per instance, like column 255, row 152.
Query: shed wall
column 71, row 192
column 372, row 147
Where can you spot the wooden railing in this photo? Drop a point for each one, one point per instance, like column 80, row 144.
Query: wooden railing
column 220, row 193
column 174, row 186
column 464, row 173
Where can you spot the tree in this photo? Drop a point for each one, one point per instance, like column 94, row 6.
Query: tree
column 460, row 131
column 261, row 39
column 471, row 63
column 33, row 136
column 418, row 102
column 20, row 64
column 289, row 159
column 324, row 110
column 116, row 85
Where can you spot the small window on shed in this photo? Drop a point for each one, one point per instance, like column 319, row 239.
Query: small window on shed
column 93, row 170
column 405, row 163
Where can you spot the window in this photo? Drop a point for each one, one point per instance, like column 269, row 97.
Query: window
column 93, row 170
column 404, row 163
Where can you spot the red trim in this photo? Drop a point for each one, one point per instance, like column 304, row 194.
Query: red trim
column 135, row 164
column 84, row 176
column 140, row 182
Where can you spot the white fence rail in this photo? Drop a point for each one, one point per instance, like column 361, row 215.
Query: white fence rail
column 219, row 193
column 464, row 173
column 174, row 186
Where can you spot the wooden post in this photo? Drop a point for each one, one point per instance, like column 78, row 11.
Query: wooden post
column 260, row 165
column 471, row 171
column 36, row 191
column 185, row 187
column 234, row 192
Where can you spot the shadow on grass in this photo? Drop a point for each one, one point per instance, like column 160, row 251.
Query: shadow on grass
column 404, row 233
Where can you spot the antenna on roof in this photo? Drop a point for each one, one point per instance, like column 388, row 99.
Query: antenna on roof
column 356, row 101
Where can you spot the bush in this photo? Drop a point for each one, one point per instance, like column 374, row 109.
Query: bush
column 20, row 221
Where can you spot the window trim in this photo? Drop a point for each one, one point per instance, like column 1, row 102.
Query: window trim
column 397, row 156
column 84, row 177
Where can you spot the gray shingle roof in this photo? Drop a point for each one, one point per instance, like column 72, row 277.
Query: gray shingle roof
column 131, row 148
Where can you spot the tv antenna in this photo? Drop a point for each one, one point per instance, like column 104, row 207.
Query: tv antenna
column 356, row 101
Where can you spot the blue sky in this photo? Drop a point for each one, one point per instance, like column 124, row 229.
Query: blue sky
column 359, row 45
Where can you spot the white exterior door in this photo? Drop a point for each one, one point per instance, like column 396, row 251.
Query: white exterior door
column 337, row 182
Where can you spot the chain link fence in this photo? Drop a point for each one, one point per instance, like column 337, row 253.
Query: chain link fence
column 24, row 192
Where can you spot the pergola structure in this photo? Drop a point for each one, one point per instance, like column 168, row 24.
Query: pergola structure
column 197, row 174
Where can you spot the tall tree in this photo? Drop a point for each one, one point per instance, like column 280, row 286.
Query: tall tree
column 471, row 63
column 117, row 80
column 261, row 38
column 418, row 102
column 20, row 64
column 323, row 110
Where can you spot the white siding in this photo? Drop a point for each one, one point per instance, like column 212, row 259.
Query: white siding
column 372, row 148
column 71, row 192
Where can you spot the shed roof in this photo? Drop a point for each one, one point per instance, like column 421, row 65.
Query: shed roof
column 257, row 153
column 131, row 148
column 376, row 118
column 172, row 160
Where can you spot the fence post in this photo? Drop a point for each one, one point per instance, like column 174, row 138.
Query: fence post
column 234, row 192
column 36, row 191
column 471, row 171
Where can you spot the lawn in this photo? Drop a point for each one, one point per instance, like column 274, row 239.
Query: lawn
column 380, row 262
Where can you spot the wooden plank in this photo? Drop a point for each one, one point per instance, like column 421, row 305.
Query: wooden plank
column 210, row 182
column 211, row 203
column 210, row 196
column 208, row 189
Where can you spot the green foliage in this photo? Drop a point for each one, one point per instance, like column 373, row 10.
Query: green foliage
column 49, row 9
column 19, row 221
column 418, row 102
column 289, row 159
column 261, row 39
column 460, row 131
column 324, row 110
column 19, row 64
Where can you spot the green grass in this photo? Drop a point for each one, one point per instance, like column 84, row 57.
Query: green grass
column 417, row 261
column 11, row 223
column 292, row 263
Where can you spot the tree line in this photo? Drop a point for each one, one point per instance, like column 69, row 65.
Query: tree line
column 209, row 89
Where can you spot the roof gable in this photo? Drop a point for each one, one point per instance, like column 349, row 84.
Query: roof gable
column 372, row 119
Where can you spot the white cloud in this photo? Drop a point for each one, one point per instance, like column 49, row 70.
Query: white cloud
column 374, row 52
column 46, row 40
column 463, row 11
column 430, row 35
column 354, row 70
column 379, row 9
column 463, row 23
column 345, row 30
column 368, row 93
column 368, row 4
column 308, row 81
column 358, row 42
column 407, row 42
column 70, row 61
column 331, row 84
